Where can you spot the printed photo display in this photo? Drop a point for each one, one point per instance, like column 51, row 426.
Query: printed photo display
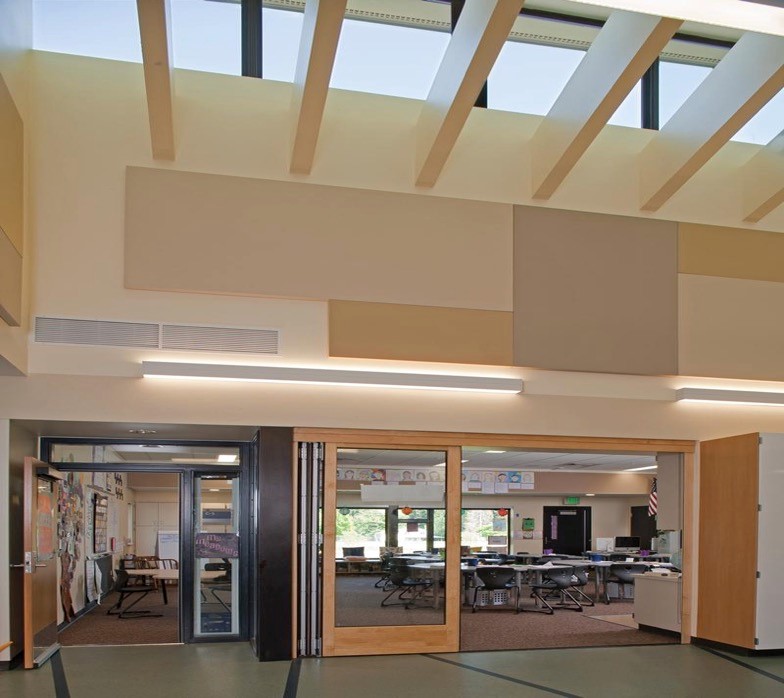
column 483, row 481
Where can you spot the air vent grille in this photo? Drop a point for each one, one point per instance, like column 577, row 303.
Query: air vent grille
column 230, row 339
column 100, row 333
column 112, row 333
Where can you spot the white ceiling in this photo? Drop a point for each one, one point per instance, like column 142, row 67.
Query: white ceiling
column 121, row 430
column 510, row 459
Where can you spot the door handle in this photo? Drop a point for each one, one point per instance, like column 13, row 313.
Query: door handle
column 37, row 565
column 19, row 565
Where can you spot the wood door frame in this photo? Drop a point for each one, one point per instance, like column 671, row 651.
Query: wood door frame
column 364, row 438
column 31, row 473
column 396, row 639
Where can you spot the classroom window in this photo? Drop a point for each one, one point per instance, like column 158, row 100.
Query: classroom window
column 528, row 78
column 766, row 124
column 485, row 530
column 387, row 59
column 677, row 82
column 88, row 28
column 361, row 531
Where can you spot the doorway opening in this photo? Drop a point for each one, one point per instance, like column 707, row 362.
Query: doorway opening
column 590, row 561
column 152, row 541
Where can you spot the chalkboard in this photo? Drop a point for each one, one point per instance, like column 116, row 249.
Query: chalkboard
column 212, row 545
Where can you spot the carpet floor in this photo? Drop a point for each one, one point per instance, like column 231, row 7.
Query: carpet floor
column 357, row 603
column 98, row 628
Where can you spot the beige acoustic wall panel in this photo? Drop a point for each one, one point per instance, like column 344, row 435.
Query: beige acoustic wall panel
column 11, row 207
column 595, row 292
column 204, row 233
column 731, row 328
column 710, row 250
column 419, row 333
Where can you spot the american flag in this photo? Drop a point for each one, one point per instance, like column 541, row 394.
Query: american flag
column 653, row 500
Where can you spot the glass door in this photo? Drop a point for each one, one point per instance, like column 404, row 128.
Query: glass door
column 216, row 555
column 391, row 549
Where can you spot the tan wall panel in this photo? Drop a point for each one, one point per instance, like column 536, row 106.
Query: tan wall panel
column 217, row 234
column 11, row 168
column 419, row 333
column 731, row 328
column 595, row 292
column 10, row 282
column 711, row 250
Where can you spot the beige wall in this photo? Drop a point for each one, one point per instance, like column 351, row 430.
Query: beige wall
column 16, row 34
column 610, row 515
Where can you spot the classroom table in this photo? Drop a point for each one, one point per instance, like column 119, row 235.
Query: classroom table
column 172, row 575
column 435, row 571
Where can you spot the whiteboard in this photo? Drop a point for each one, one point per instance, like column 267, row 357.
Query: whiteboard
column 169, row 545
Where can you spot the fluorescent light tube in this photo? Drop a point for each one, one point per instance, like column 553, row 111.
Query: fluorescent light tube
column 637, row 470
column 737, row 397
column 314, row 376
column 227, row 458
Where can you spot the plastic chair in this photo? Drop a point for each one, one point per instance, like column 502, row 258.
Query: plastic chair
column 557, row 580
column 580, row 579
column 622, row 574
column 496, row 579
column 401, row 582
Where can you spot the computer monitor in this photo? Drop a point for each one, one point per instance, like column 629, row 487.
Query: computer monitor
column 627, row 543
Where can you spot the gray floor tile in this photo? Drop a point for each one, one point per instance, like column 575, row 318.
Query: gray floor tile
column 673, row 671
column 411, row 676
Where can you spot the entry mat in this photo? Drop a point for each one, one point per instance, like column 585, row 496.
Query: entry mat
column 625, row 620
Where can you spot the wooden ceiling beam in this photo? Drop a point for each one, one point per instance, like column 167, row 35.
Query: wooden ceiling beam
column 318, row 46
column 476, row 41
column 155, row 34
column 741, row 84
column 625, row 48
column 763, row 181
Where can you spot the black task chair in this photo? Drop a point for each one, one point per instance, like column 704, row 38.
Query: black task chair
column 557, row 580
column 220, row 583
column 386, row 558
column 622, row 573
column 580, row 579
column 401, row 582
column 496, row 579
column 126, row 590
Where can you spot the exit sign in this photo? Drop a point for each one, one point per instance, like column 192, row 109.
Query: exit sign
column 571, row 500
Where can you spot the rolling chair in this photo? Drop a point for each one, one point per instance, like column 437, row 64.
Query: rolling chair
column 580, row 579
column 557, row 580
column 496, row 579
column 400, row 582
column 622, row 574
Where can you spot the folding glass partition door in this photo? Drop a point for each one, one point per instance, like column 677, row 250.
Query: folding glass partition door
column 391, row 549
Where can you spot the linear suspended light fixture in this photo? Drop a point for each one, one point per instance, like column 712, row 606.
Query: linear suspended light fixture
column 737, row 397
column 318, row 376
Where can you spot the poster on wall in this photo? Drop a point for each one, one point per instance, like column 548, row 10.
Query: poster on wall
column 100, row 523
column 217, row 545
column 89, row 580
column 99, row 481
column 44, row 525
